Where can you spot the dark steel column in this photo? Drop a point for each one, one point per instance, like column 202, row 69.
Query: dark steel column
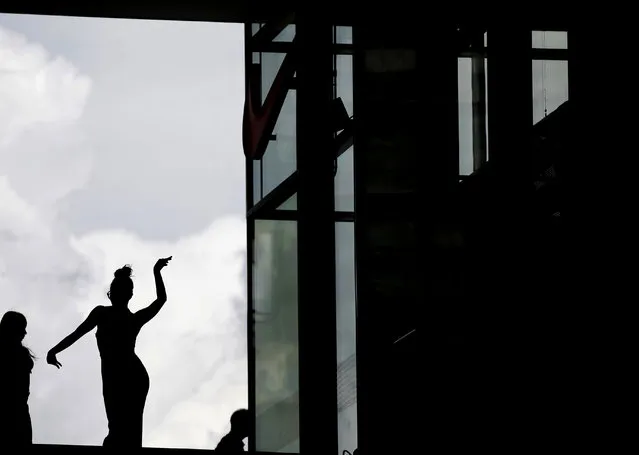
column 510, row 100
column 388, row 128
column 316, row 236
column 510, row 317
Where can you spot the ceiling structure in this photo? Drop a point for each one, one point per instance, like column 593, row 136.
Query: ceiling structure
column 341, row 12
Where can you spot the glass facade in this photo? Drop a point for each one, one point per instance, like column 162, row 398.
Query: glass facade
column 549, row 72
column 390, row 257
column 273, row 215
column 279, row 159
column 346, row 336
column 472, row 99
column 275, row 335
column 346, row 319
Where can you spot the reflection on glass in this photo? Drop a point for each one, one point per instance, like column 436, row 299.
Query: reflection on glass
column 465, row 100
column 549, row 40
column 345, row 81
column 280, row 159
column 473, row 113
column 257, row 181
column 344, row 35
column 287, row 34
column 550, row 86
column 344, row 183
column 271, row 63
column 289, row 204
column 275, row 336
column 346, row 336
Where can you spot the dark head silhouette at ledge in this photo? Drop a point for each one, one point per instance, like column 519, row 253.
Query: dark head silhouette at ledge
column 125, row 382
column 233, row 441
column 15, row 378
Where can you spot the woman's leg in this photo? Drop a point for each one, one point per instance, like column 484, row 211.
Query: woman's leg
column 137, row 412
column 127, row 412
column 28, row 428
column 115, row 403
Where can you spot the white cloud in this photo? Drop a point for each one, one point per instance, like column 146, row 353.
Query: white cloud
column 194, row 350
column 41, row 100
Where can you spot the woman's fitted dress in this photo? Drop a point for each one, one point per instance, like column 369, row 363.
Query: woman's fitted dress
column 125, row 381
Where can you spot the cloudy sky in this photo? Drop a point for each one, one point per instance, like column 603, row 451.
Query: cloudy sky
column 120, row 143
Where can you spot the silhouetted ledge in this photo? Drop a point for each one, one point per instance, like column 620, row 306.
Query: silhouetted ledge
column 51, row 448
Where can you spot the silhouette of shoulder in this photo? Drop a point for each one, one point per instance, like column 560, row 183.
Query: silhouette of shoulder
column 230, row 444
column 98, row 311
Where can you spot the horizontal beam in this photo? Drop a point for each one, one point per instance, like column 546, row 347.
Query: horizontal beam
column 537, row 54
column 292, row 215
column 283, row 47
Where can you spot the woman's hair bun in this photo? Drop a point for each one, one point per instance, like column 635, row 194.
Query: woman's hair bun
column 124, row 272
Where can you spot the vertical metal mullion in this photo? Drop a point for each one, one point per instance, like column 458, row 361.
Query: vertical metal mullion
column 250, row 234
column 478, row 79
column 316, row 237
column 507, row 234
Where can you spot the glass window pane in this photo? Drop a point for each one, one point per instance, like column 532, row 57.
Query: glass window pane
column 344, row 35
column 257, row 181
column 473, row 113
column 275, row 336
column 344, row 183
column 289, row 204
column 280, row 159
column 271, row 63
column 345, row 81
column 550, row 86
column 346, row 336
column 287, row 34
column 549, row 40
column 465, row 100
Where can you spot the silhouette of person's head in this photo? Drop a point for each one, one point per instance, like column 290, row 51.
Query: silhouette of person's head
column 240, row 423
column 13, row 328
column 121, row 289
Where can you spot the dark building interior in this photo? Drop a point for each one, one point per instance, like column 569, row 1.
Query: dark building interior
column 453, row 207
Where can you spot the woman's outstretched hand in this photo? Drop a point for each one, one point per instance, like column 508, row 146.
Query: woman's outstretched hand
column 52, row 360
column 161, row 264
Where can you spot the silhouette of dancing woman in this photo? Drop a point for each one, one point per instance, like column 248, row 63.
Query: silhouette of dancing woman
column 15, row 379
column 125, row 382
